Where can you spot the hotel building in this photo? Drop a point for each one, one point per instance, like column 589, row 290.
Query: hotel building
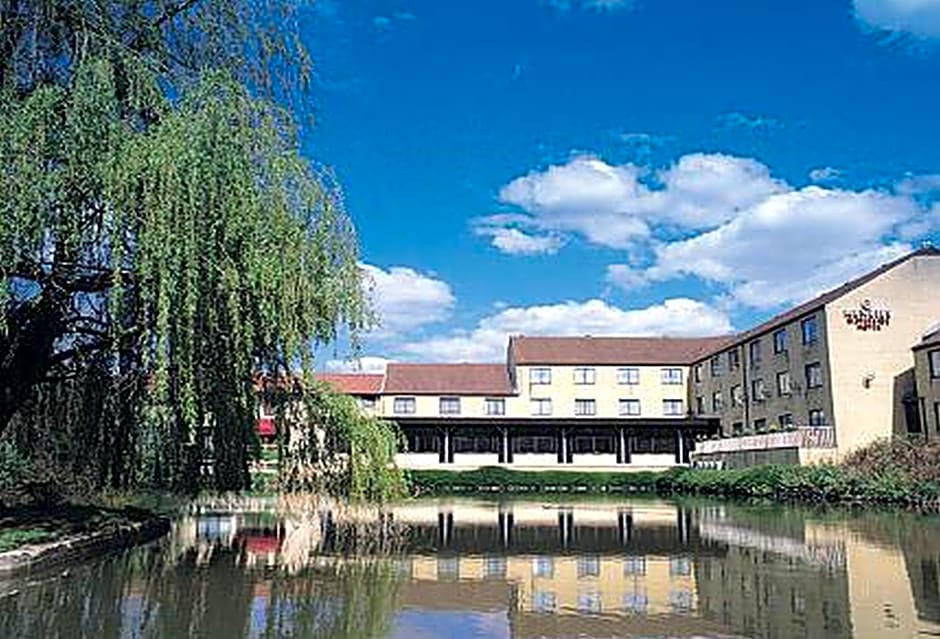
column 811, row 384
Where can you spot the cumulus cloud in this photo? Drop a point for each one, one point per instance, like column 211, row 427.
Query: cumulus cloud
column 824, row 174
column 591, row 5
column 487, row 340
column 918, row 18
column 516, row 242
column 618, row 205
column 406, row 299
column 366, row 364
column 786, row 248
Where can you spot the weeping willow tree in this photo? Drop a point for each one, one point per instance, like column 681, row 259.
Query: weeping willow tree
column 161, row 239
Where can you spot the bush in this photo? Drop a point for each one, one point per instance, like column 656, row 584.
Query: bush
column 23, row 482
column 496, row 478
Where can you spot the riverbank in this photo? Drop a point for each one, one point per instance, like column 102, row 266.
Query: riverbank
column 34, row 537
column 815, row 484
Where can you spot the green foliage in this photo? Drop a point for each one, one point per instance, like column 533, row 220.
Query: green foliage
column 329, row 444
column 161, row 238
column 12, row 539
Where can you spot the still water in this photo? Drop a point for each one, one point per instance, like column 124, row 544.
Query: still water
column 460, row 568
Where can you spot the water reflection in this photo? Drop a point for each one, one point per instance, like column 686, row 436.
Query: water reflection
column 520, row 569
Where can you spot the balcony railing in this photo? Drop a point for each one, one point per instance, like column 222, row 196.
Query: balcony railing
column 809, row 437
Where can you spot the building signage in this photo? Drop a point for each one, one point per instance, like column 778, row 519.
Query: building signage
column 867, row 318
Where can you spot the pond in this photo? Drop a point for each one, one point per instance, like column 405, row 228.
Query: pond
column 460, row 568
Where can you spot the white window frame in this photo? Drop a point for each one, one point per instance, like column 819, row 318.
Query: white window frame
column 819, row 411
column 814, row 366
column 368, row 403
column 490, row 402
column 451, row 400
column 739, row 400
column 673, row 402
column 758, row 390
column 541, row 403
column 624, row 405
column 584, row 376
column 581, row 404
column 628, row 375
column 400, row 402
column 668, row 376
column 784, row 346
column 781, row 391
column 540, row 376
column 720, row 404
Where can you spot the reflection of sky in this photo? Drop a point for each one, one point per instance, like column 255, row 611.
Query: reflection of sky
column 434, row 624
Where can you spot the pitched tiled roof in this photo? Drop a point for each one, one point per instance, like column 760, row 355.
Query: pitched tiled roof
column 611, row 350
column 353, row 383
column 443, row 379
column 819, row 301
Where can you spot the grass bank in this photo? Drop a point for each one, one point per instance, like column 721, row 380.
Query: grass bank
column 897, row 472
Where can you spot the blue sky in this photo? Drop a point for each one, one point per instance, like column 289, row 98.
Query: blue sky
column 621, row 167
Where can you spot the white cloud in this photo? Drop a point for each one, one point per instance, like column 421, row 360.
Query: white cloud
column 365, row 364
column 406, row 299
column 592, row 5
column 516, row 242
column 923, row 184
column 487, row 341
column 825, row 174
column 786, row 248
column 617, row 205
column 919, row 18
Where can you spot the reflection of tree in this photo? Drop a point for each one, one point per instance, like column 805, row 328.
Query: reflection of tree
column 156, row 591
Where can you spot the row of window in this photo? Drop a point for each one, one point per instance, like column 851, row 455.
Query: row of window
column 429, row 440
column 809, row 333
column 812, row 375
column 816, row 419
column 586, row 375
column 538, row 407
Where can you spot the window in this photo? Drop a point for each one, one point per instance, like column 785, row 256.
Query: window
column 933, row 358
column 404, row 406
column 589, row 567
column 494, row 568
column 655, row 443
column 367, row 403
column 636, row 602
column 760, row 425
column 628, row 375
column 535, row 442
column 449, row 405
column 672, row 376
column 634, row 566
column 817, row 418
column 781, row 341
column 699, row 405
column 783, row 383
column 473, row 440
column 448, row 568
column 593, row 444
column 810, row 331
column 543, row 601
column 698, row 372
column 628, row 407
column 540, row 376
column 589, row 601
column 680, row 601
column 583, row 376
column 716, row 366
column 757, row 390
column 585, row 407
column 785, row 420
column 814, row 375
column 737, row 395
column 673, row 407
column 422, row 440
column 680, row 567
column 734, row 359
column 541, row 406
column 737, row 428
column 754, row 352
column 717, row 402
column 494, row 406
column 543, row 567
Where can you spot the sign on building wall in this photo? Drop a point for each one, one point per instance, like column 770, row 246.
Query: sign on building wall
column 866, row 317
